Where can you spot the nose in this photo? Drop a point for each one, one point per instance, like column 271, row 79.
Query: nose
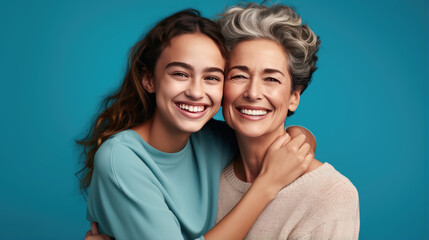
column 195, row 89
column 254, row 90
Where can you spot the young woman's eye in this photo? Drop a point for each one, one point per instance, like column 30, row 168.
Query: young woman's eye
column 271, row 79
column 180, row 74
column 212, row 78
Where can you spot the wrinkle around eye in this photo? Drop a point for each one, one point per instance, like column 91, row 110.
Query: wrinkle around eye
column 238, row 77
column 271, row 79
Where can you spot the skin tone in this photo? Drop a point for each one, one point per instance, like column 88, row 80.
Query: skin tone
column 257, row 96
column 188, row 82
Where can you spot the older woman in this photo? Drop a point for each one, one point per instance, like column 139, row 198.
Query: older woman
column 272, row 58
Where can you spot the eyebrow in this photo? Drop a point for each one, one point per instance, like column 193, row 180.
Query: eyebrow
column 239, row 67
column 266, row 70
column 189, row 67
column 272, row 70
column 179, row 64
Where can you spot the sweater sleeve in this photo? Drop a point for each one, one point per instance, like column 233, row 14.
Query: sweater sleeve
column 125, row 200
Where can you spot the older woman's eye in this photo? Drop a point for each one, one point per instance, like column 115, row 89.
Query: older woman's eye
column 271, row 79
column 238, row 77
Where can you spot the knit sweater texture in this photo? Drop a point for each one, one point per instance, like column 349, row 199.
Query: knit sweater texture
column 321, row 204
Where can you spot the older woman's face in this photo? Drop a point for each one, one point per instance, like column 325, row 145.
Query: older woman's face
column 257, row 91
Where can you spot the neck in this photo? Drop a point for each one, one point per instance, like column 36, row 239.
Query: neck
column 252, row 152
column 162, row 137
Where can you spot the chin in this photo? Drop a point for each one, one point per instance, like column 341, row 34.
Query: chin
column 191, row 127
column 250, row 132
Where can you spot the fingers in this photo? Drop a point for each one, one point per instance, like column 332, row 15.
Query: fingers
column 93, row 234
column 280, row 141
column 297, row 142
column 308, row 159
column 94, row 228
column 304, row 149
column 287, row 140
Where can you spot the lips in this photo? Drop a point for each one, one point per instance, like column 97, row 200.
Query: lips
column 253, row 112
column 192, row 111
column 191, row 108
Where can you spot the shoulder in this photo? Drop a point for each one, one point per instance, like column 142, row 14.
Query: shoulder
column 338, row 185
column 118, row 144
column 323, row 182
column 336, row 196
column 325, row 190
column 329, row 204
column 118, row 152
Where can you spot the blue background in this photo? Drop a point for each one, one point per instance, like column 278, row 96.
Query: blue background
column 367, row 105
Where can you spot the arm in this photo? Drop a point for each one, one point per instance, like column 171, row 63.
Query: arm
column 285, row 161
column 125, row 201
column 94, row 235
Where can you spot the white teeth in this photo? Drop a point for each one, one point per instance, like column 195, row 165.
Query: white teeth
column 191, row 108
column 253, row 112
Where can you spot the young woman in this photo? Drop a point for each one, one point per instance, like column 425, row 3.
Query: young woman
column 272, row 58
column 153, row 164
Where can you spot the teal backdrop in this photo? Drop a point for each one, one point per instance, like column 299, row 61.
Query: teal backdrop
column 367, row 104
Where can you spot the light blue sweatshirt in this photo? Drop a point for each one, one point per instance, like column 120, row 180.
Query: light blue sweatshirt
column 138, row 192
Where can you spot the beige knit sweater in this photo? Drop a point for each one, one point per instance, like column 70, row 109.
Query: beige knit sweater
column 322, row 204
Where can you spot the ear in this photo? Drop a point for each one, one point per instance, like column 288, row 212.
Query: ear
column 148, row 82
column 294, row 100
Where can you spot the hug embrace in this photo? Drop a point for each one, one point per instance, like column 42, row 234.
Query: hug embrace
column 159, row 167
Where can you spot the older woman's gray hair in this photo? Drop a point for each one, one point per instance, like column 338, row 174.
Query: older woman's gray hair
column 278, row 23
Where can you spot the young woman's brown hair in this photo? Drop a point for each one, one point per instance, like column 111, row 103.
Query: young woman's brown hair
column 131, row 104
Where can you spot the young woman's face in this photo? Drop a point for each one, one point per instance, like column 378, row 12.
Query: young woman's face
column 188, row 83
column 257, row 93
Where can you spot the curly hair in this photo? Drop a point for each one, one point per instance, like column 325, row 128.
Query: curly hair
column 278, row 23
column 131, row 104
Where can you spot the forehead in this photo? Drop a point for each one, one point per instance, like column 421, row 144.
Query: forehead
column 194, row 48
column 259, row 53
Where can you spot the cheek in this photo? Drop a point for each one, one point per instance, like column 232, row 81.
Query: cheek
column 170, row 87
column 280, row 97
column 231, row 93
column 228, row 99
column 165, row 90
column 215, row 92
